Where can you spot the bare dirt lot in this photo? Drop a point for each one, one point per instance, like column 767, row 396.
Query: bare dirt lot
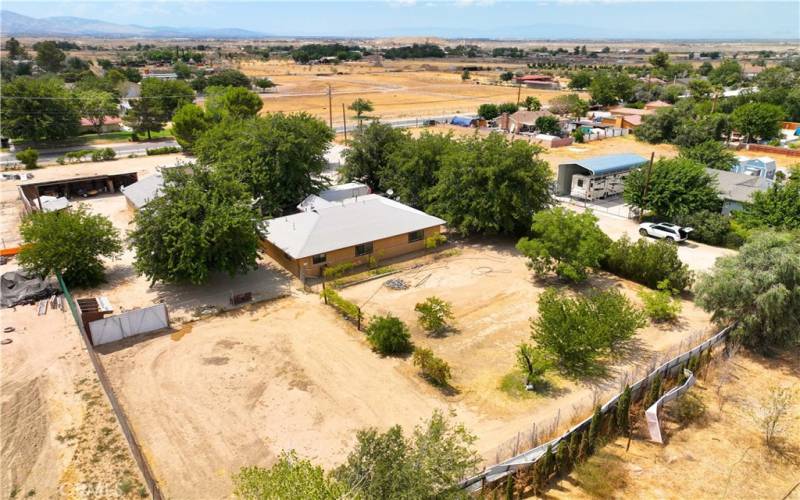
column 238, row 388
column 720, row 455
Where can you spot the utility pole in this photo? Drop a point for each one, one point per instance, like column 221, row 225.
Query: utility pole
column 344, row 119
column 519, row 92
column 330, row 107
column 647, row 183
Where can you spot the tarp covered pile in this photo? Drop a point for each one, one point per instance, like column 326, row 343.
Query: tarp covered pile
column 19, row 289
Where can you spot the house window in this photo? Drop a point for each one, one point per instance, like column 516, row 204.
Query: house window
column 580, row 183
column 363, row 249
column 320, row 258
column 416, row 236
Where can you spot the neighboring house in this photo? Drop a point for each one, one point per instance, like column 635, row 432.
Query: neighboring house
column 737, row 189
column 629, row 118
column 521, row 121
column 538, row 82
column 140, row 193
column 350, row 230
column 596, row 177
column 654, row 105
column 763, row 166
column 335, row 156
column 466, row 121
column 110, row 124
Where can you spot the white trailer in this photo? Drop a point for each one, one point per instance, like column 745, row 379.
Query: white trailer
column 595, row 187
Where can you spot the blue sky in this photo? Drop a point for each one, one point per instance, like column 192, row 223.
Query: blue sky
column 539, row 19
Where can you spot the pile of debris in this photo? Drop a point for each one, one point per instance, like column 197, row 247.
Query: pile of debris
column 397, row 284
column 18, row 289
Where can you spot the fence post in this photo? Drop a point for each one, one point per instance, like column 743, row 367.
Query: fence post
column 359, row 319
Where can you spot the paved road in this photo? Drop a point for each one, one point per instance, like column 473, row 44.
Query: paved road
column 121, row 148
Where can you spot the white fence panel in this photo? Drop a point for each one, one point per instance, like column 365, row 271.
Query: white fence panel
column 129, row 323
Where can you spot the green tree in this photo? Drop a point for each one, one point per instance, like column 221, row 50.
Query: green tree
column 228, row 78
column 507, row 107
column 433, row 368
column 659, row 60
column 72, row 242
column 278, row 157
column 166, row 96
column 594, row 428
column 412, row 167
column 263, row 83
column 564, row 242
column 368, row 156
column 548, row 125
column 491, row 185
column 465, row 75
column 673, row 187
column 533, row 363
column 289, row 477
column 662, row 126
column 96, row 105
column 38, row 109
column 202, row 223
column 232, row 102
column 188, row 124
column 608, row 89
column 577, row 333
column 660, row 305
column 488, row 111
column 434, row 314
column 700, row 89
column 182, row 70
column 653, row 391
column 622, row 412
column 580, row 80
column 777, row 208
column 28, row 157
column 568, row 104
column 705, row 68
column 388, row 335
column 14, row 48
column 728, row 73
column 758, row 289
column 758, row 120
column 531, row 103
column 506, row 76
column 648, row 263
column 144, row 117
column 428, row 464
column 710, row 154
column 49, row 57
column 361, row 106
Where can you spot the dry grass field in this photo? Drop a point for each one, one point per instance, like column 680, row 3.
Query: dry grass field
column 720, row 455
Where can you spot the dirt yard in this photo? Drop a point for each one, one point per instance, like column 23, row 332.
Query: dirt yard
column 720, row 455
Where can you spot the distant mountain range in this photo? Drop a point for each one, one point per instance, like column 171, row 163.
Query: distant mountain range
column 15, row 24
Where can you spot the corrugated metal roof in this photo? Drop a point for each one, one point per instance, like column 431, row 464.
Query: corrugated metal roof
column 739, row 187
column 144, row 191
column 345, row 224
column 611, row 163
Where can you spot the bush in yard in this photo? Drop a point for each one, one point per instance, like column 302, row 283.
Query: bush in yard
column 433, row 368
column 622, row 412
column 648, row 263
column 711, row 228
column 686, row 409
column 104, row 154
column 533, row 363
column 72, row 242
column 564, row 242
column 164, row 150
column 335, row 272
column 758, row 289
column 433, row 314
column 434, row 241
column 577, row 333
column 347, row 308
column 388, row 335
column 28, row 157
column 660, row 305
column 289, row 477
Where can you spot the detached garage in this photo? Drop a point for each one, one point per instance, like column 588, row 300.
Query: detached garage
column 597, row 177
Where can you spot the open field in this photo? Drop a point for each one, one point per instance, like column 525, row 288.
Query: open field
column 721, row 455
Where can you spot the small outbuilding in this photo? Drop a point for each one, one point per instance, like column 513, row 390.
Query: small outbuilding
column 142, row 192
column 596, row 177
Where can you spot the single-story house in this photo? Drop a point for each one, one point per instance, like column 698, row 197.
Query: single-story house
column 654, row 105
column 349, row 230
column 140, row 193
column 737, row 189
column 465, row 121
column 763, row 166
column 110, row 124
column 521, row 121
column 596, row 177
column 538, row 82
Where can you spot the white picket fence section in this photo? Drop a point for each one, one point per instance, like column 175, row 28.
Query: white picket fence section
column 128, row 324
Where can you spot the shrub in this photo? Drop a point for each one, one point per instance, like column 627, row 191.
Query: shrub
column 289, row 477
column 602, row 476
column 533, row 363
column 77, row 156
column 104, row 154
column 577, row 332
column 433, row 368
column 653, row 391
column 434, row 241
column 710, row 228
column 28, row 157
column 345, row 307
column 388, row 335
column 687, row 409
column 660, row 305
column 648, row 263
column 335, row 272
column 165, row 150
column 433, row 314
column 622, row 413
column 578, row 135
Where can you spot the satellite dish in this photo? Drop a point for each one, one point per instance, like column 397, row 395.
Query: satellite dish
column 390, row 192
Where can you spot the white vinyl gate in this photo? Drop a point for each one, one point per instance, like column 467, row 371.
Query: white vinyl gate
column 129, row 323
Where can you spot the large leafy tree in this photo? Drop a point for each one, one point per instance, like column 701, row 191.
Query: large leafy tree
column 166, row 96
column 672, row 187
column 72, row 242
column 491, row 185
column 289, row 477
column 96, row 105
column 38, row 109
column 778, row 207
column 49, row 57
column 414, row 165
column 759, row 289
column 568, row 104
column 228, row 78
column 188, row 124
column 711, row 154
column 758, row 120
column 564, row 242
column 232, row 102
column 203, row 222
column 610, row 88
column 278, row 157
column 144, row 117
column 427, row 464
column 576, row 333
column 359, row 107
column 14, row 48
column 368, row 155
column 728, row 73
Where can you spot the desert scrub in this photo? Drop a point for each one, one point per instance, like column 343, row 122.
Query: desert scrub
column 602, row 475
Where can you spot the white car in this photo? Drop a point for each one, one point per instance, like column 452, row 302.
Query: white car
column 664, row 231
